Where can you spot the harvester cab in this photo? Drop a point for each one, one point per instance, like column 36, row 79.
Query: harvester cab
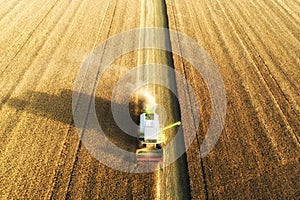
column 151, row 137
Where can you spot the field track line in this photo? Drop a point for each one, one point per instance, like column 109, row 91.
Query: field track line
column 269, row 82
column 21, row 77
column 13, row 5
column 250, row 45
column 55, row 49
column 110, row 4
column 20, row 30
column 142, row 19
column 294, row 16
column 93, row 181
column 281, row 19
column 67, row 30
column 27, row 39
column 268, row 86
column 216, row 29
column 55, row 182
column 263, row 78
column 257, row 37
column 71, row 18
column 33, row 59
column 61, row 161
column 276, row 64
column 284, row 16
column 203, row 172
column 17, row 15
column 94, row 46
column 41, row 72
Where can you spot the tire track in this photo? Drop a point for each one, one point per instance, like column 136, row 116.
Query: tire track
column 288, row 26
column 290, row 7
column 75, row 163
column 265, row 48
column 10, row 58
column 209, row 179
column 185, row 71
column 32, row 58
column 31, row 61
column 290, row 21
column 132, row 181
column 272, row 26
column 290, row 94
column 271, row 82
column 240, row 94
column 293, row 15
column 237, row 97
column 17, row 16
column 236, row 69
column 94, row 46
column 220, row 25
column 141, row 186
column 56, row 183
column 8, row 8
column 275, row 139
column 42, row 73
column 59, row 183
column 93, row 185
column 20, row 79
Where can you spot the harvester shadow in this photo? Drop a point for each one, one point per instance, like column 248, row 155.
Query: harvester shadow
column 59, row 108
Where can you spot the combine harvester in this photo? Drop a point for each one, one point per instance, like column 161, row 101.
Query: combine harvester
column 151, row 137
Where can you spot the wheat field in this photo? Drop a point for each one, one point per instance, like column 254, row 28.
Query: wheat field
column 255, row 46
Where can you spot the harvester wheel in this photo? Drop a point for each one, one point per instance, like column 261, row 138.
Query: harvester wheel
column 140, row 144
